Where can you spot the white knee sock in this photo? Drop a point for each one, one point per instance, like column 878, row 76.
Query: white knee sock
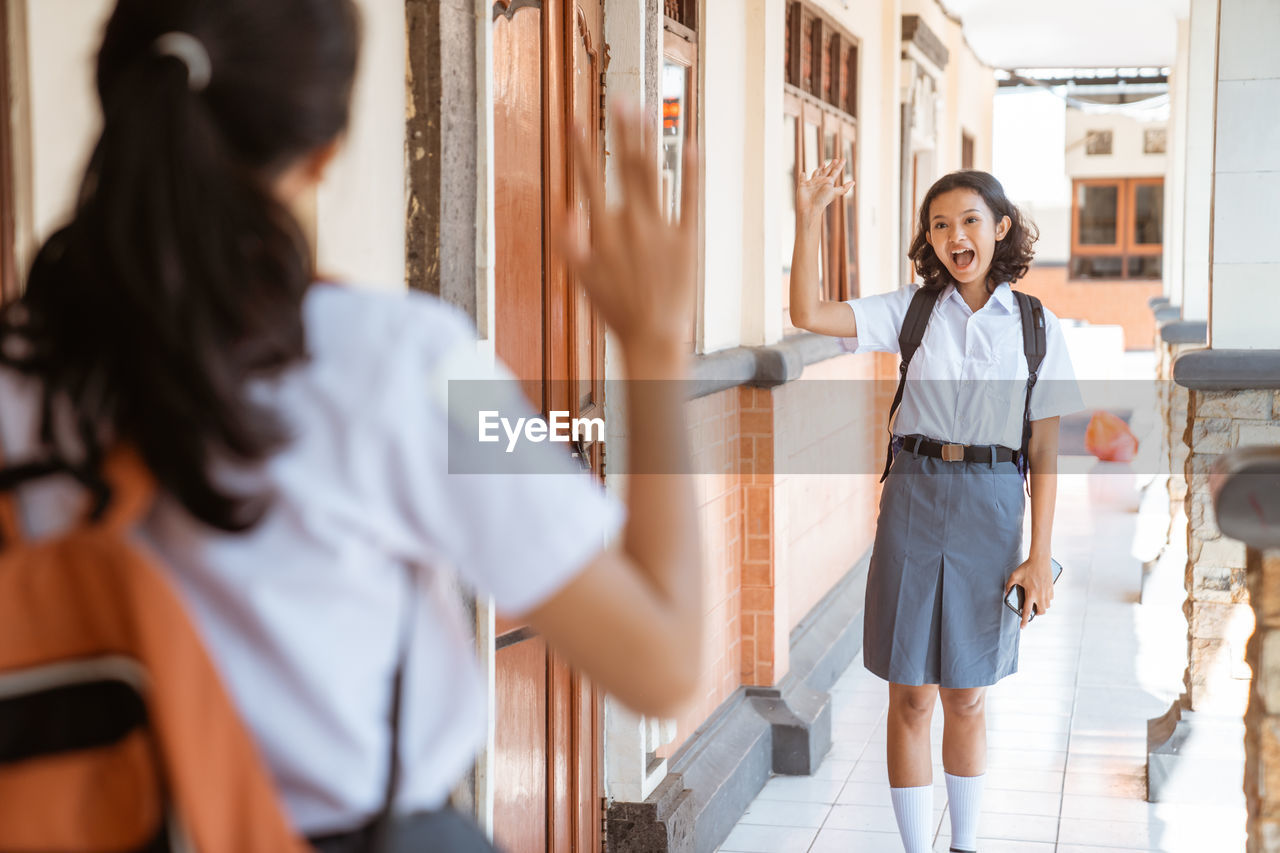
column 964, row 798
column 913, row 807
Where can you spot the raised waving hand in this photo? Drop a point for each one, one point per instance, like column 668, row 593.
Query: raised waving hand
column 808, row 311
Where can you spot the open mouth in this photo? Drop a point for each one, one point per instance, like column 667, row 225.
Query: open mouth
column 963, row 259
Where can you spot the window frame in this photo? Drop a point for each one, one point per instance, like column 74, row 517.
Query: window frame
column 680, row 46
column 826, row 98
column 1125, row 247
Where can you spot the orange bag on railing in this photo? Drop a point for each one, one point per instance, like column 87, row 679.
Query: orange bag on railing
column 1109, row 438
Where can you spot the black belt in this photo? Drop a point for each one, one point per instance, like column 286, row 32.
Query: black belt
column 958, row 452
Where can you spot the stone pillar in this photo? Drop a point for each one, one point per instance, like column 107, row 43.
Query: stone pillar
column 446, row 80
column 1262, row 721
column 1247, row 507
column 1231, row 385
column 1218, row 613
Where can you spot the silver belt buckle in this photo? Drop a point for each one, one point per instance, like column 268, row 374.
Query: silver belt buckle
column 953, row 453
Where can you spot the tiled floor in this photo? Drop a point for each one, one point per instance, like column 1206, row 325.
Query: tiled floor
column 1066, row 766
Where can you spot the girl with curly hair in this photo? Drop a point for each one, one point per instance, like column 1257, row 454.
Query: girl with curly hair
column 948, row 544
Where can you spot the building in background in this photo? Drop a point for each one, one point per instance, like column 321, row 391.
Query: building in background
column 1084, row 153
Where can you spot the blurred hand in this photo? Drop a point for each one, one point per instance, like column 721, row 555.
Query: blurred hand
column 820, row 189
column 638, row 268
column 1035, row 576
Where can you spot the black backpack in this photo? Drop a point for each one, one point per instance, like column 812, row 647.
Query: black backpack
column 1033, row 345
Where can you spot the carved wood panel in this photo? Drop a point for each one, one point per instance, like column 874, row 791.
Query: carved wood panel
column 548, row 60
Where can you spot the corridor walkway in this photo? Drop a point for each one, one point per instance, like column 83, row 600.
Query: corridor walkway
column 1066, row 769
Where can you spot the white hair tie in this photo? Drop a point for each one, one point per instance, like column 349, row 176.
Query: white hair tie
column 191, row 52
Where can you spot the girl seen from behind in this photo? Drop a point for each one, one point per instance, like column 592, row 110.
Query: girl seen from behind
column 307, row 511
column 948, row 543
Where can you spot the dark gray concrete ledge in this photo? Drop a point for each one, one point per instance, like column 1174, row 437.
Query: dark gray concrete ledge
column 1228, row 369
column 755, row 733
column 760, row 367
column 1246, row 495
column 1184, row 332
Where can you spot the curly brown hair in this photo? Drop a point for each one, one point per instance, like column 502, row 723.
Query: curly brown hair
column 1013, row 254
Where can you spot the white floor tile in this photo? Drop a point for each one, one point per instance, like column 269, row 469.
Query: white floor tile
column 801, row 789
column 746, row 838
column 1117, row 833
column 1080, row 806
column 1026, row 758
column 1040, row 803
column 1000, row 845
column 1025, row 780
column 1018, row 827
column 1078, row 762
column 866, row 794
column 867, row 818
column 1105, row 785
column 1067, row 734
column 854, row 841
column 786, row 813
column 834, row 768
column 868, row 770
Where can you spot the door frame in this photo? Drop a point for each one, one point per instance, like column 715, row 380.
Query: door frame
column 16, row 239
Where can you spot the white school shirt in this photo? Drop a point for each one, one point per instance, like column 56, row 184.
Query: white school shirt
column 303, row 614
column 967, row 382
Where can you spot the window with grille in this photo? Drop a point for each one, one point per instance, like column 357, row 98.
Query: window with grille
column 682, row 12
column 679, row 89
column 820, row 123
column 1117, row 228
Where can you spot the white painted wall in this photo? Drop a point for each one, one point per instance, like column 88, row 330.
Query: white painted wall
column 724, row 114
column 877, row 26
column 63, row 37
column 360, row 207
column 1126, row 159
column 1029, row 129
column 1246, row 256
column 762, row 188
column 1176, row 177
column 970, row 96
column 1198, row 190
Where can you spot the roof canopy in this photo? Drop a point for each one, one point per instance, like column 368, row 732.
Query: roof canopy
column 1075, row 34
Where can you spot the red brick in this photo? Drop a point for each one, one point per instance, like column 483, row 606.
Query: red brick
column 756, row 600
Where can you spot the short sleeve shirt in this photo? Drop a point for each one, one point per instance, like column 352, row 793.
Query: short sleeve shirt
column 967, row 382
column 304, row 614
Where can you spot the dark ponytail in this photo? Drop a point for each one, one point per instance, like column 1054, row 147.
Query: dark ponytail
column 180, row 276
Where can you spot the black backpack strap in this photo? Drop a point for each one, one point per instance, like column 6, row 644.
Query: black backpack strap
column 1034, row 344
column 909, row 338
column 382, row 829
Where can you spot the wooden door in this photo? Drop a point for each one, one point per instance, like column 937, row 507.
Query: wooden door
column 548, row 75
column 8, row 262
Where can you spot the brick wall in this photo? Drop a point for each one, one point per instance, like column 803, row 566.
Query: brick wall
column 834, row 415
column 1118, row 303
column 714, row 444
column 777, row 533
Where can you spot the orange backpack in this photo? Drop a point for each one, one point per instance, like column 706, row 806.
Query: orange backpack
column 116, row 733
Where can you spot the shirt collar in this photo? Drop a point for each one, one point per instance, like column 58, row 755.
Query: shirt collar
column 1002, row 296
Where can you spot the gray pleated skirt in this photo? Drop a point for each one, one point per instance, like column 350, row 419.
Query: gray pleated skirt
column 949, row 536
